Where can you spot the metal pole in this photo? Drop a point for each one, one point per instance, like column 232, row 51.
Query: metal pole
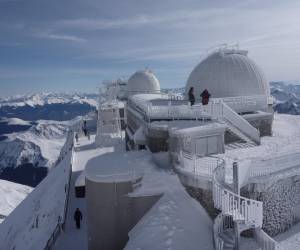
column 236, row 189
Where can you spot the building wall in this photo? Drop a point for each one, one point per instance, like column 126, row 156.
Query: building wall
column 111, row 213
column 263, row 122
column 157, row 139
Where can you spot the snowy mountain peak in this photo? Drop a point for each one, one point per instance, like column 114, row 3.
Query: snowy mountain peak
column 40, row 99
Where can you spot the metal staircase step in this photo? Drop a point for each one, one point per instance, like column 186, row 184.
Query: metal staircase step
column 229, row 239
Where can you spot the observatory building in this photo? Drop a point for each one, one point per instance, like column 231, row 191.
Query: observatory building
column 143, row 81
column 239, row 106
column 228, row 73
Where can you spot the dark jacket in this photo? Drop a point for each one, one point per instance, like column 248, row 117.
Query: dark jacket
column 205, row 97
column 191, row 97
column 205, row 94
column 77, row 215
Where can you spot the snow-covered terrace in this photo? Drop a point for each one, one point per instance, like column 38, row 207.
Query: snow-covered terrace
column 176, row 221
column 271, row 159
column 162, row 106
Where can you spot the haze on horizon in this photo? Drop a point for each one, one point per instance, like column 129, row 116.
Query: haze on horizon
column 72, row 45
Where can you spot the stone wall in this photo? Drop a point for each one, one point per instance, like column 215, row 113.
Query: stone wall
column 279, row 201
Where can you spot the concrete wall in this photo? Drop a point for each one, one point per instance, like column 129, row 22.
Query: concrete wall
column 157, row 139
column 262, row 121
column 111, row 213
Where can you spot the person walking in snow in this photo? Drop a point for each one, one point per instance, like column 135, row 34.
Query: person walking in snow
column 76, row 137
column 205, row 97
column 191, row 96
column 77, row 217
column 84, row 128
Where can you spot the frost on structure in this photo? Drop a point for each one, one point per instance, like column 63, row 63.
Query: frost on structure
column 279, row 203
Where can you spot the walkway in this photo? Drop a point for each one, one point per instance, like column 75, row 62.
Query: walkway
column 74, row 239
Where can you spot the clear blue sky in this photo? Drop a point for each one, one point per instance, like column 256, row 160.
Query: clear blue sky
column 72, row 45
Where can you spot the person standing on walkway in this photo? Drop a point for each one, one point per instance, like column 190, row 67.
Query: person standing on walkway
column 76, row 137
column 205, row 97
column 77, row 217
column 191, row 96
column 84, row 128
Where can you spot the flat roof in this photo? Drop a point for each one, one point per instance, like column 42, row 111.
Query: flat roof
column 116, row 167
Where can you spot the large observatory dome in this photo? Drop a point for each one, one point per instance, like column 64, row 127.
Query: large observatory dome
column 143, row 81
column 228, row 73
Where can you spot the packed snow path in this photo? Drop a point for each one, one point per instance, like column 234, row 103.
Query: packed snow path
column 73, row 238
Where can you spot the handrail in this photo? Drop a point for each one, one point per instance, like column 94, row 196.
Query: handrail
column 262, row 168
column 230, row 203
column 240, row 123
column 218, row 231
column 199, row 166
column 265, row 241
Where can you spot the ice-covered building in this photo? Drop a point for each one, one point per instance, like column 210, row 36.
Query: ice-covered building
column 223, row 155
column 143, row 81
column 228, row 73
column 240, row 99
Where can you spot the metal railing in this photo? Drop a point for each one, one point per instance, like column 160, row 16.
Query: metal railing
column 265, row 241
column 240, row 123
column 239, row 207
column 198, row 166
column 162, row 108
column 260, row 168
column 218, row 232
column 221, row 224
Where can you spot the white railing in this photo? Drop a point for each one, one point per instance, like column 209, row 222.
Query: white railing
column 265, row 241
column 260, row 168
column 218, row 231
column 240, row 123
column 243, row 104
column 221, row 224
column 198, row 166
column 239, row 207
column 219, row 109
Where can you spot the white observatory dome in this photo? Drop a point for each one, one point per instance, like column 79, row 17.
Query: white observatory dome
column 143, row 81
column 228, row 73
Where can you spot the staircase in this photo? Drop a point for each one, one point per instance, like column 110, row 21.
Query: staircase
column 235, row 209
column 229, row 240
column 236, row 124
column 109, row 122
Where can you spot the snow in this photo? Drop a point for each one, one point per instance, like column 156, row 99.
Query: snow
column 178, row 124
column 285, row 140
column 176, row 221
column 29, row 226
column 15, row 121
column 72, row 238
column 41, row 144
column 107, row 168
column 11, row 194
column 40, row 99
column 290, row 240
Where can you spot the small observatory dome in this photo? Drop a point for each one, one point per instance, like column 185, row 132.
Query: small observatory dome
column 228, row 73
column 143, row 81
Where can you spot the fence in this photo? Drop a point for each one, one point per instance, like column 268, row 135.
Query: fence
column 260, row 168
column 69, row 145
column 198, row 166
